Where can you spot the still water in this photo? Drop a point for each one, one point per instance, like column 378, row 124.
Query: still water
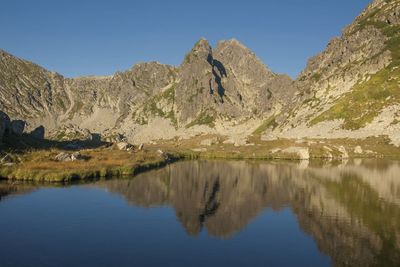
column 210, row 213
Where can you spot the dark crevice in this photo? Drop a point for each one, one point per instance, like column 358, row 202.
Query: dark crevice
column 212, row 204
column 211, row 88
column 210, row 59
column 221, row 68
column 220, row 88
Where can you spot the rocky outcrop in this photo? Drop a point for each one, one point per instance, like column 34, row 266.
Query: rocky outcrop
column 38, row 132
column 10, row 127
column 17, row 127
column 4, row 125
column 70, row 132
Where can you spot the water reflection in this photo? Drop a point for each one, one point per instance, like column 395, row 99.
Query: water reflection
column 8, row 189
column 352, row 211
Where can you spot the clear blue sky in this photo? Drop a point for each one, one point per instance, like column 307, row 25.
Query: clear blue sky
column 77, row 38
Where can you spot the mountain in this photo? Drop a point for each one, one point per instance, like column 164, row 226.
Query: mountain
column 351, row 89
column 38, row 96
column 150, row 100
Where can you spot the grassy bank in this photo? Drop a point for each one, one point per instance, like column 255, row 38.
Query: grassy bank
column 40, row 165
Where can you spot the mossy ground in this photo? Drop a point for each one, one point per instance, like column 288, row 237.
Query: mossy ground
column 204, row 118
column 269, row 123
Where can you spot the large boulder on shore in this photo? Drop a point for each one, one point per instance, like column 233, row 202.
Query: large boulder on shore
column 17, row 127
column 303, row 153
column 124, row 146
column 64, row 156
column 4, row 124
column 111, row 136
column 38, row 133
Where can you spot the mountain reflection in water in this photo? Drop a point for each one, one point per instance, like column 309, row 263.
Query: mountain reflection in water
column 351, row 211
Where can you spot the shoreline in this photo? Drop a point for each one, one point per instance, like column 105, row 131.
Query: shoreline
column 71, row 172
column 41, row 163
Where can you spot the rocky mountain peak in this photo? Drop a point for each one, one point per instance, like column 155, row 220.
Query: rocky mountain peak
column 235, row 53
column 202, row 45
column 233, row 45
column 201, row 51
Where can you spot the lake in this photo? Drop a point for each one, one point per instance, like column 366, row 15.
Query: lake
column 210, row 213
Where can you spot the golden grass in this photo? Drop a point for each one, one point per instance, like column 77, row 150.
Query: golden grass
column 41, row 166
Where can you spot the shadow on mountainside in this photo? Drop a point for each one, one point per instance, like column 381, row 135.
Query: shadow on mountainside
column 26, row 142
column 218, row 78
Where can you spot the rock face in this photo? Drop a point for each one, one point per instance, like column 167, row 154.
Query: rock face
column 17, row 127
column 214, row 91
column 4, row 124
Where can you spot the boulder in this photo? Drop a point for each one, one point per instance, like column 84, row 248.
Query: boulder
column 163, row 154
column 209, row 141
column 302, row 152
column 4, row 124
column 124, row 146
column 358, row 150
column 76, row 156
column 38, row 133
column 64, row 156
column 343, row 152
column 203, row 149
column 17, row 127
